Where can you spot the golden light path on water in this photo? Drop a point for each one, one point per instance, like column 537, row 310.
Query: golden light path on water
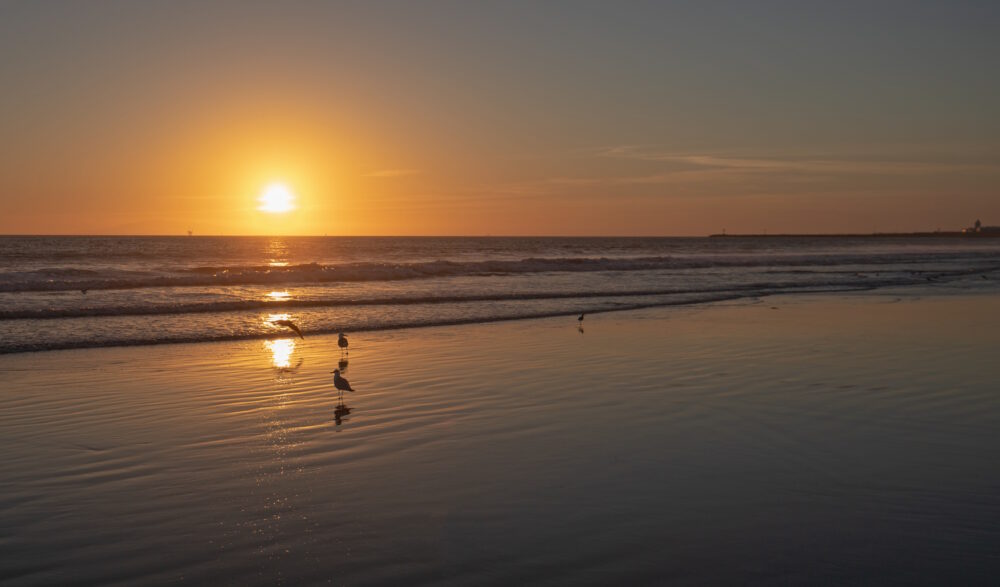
column 279, row 296
column 281, row 352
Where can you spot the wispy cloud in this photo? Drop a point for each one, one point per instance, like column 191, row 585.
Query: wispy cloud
column 393, row 173
column 806, row 165
column 733, row 173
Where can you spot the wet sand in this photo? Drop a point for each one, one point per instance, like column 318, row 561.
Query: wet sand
column 832, row 440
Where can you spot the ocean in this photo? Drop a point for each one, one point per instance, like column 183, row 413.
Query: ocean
column 75, row 292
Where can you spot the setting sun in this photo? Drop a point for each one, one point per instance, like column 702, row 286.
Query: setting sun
column 276, row 198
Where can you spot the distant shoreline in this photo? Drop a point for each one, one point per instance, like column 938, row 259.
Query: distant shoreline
column 937, row 234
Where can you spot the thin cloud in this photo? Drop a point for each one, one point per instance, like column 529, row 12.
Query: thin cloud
column 794, row 165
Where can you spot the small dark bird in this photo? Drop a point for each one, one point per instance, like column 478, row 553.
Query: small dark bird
column 983, row 276
column 341, row 384
column 291, row 325
column 342, row 342
column 84, row 291
column 580, row 319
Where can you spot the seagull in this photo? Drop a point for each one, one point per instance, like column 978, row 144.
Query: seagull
column 580, row 319
column 84, row 291
column 342, row 342
column 291, row 325
column 341, row 384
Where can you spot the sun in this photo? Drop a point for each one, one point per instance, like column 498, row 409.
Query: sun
column 276, row 198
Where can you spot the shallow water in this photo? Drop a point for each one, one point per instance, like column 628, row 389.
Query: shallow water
column 834, row 441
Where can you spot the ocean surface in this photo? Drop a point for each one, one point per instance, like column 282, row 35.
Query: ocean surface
column 73, row 292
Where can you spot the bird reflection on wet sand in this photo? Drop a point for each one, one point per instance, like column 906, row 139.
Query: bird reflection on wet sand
column 291, row 370
column 339, row 412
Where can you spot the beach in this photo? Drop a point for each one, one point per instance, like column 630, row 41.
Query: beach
column 820, row 439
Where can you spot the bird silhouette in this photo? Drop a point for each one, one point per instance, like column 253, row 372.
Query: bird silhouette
column 291, row 325
column 83, row 291
column 339, row 412
column 341, row 384
column 580, row 319
column 342, row 342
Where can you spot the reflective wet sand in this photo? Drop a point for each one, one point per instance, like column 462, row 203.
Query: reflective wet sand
column 802, row 440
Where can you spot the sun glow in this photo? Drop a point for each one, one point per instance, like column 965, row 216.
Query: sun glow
column 276, row 198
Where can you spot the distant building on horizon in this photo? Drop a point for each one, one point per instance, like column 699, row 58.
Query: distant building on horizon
column 978, row 228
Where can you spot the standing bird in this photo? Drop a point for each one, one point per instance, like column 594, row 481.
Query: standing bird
column 342, row 343
column 341, row 384
column 291, row 325
column 580, row 319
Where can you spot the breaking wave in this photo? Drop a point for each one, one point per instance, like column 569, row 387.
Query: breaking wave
column 68, row 279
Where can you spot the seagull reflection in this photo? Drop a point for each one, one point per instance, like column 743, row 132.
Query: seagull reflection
column 339, row 412
column 291, row 370
column 580, row 329
column 342, row 365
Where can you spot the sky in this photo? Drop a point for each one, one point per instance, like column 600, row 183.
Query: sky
column 500, row 118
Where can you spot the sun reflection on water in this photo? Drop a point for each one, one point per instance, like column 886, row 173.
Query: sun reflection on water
column 281, row 352
column 279, row 296
column 277, row 251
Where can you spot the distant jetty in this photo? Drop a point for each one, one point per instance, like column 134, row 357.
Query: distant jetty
column 935, row 234
column 977, row 230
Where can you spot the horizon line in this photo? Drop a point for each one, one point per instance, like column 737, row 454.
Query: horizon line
column 709, row 235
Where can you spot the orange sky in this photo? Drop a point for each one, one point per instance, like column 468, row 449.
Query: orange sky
column 444, row 118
